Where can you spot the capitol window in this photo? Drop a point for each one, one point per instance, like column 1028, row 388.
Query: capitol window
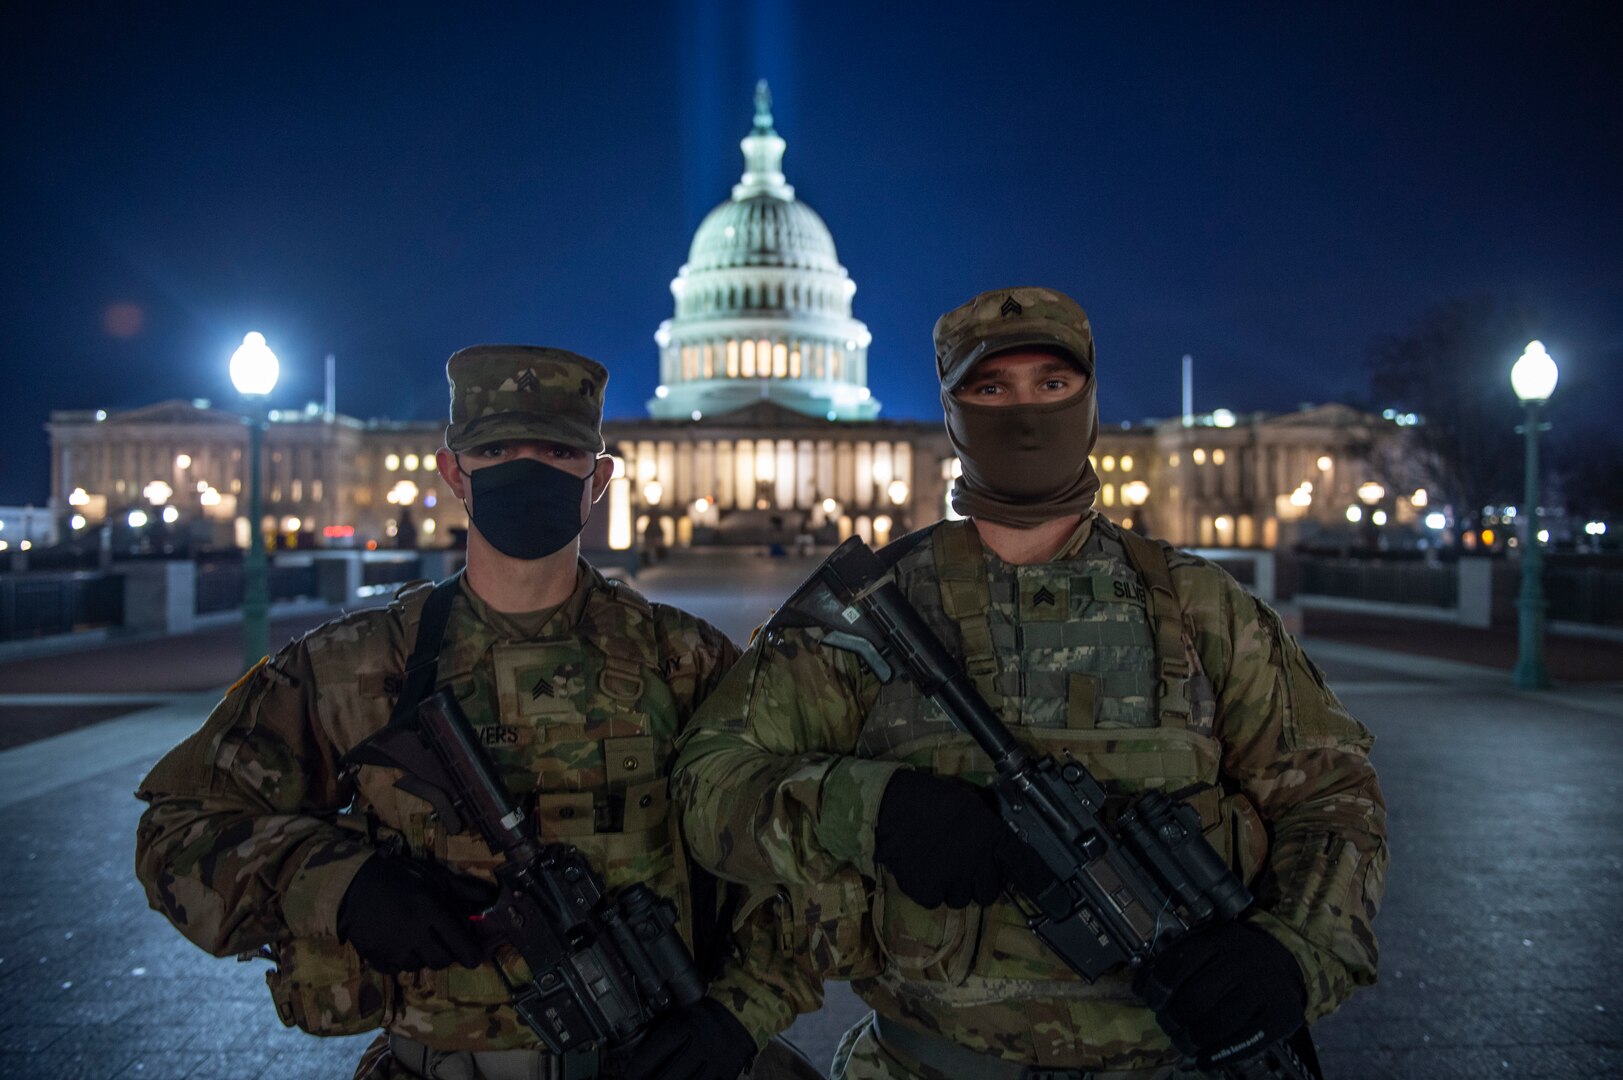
column 732, row 359
column 780, row 361
column 763, row 358
column 709, row 362
column 749, row 359
column 794, row 364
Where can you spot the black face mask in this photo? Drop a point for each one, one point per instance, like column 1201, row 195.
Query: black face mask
column 526, row 509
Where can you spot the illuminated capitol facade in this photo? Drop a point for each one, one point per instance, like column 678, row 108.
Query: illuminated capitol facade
column 762, row 430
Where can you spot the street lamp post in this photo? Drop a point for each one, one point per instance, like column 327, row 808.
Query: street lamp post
column 254, row 369
column 1533, row 377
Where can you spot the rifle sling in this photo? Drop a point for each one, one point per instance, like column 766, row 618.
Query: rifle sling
column 422, row 666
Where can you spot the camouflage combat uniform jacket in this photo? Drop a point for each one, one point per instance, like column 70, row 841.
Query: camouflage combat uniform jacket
column 255, row 831
column 781, row 775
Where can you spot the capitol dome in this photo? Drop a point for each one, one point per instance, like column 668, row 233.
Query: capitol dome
column 763, row 230
column 763, row 306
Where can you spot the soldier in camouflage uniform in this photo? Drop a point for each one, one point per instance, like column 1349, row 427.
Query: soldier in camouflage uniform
column 1151, row 666
column 258, row 838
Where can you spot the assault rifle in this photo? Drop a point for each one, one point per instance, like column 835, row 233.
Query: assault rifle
column 603, row 967
column 1119, row 892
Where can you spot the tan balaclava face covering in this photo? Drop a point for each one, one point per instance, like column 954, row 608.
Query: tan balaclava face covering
column 1022, row 464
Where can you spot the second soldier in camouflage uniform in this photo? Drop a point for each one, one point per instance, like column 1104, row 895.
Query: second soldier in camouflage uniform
column 257, row 838
column 803, row 770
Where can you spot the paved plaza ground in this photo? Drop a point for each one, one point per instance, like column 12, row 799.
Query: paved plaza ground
column 1500, row 941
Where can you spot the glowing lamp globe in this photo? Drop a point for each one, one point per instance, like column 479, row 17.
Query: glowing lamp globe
column 1534, row 375
column 254, row 367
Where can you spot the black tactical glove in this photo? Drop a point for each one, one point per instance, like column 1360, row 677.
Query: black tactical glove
column 1225, row 992
column 404, row 915
column 944, row 842
column 701, row 1042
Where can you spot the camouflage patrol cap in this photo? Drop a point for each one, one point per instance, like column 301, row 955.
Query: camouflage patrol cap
column 1005, row 319
column 524, row 392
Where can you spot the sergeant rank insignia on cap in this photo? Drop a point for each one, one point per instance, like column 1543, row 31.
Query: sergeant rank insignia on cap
column 1011, row 306
column 526, row 383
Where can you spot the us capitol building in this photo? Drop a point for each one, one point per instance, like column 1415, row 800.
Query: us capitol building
column 762, row 430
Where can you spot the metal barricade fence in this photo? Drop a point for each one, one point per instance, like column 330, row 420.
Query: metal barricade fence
column 220, row 585
column 1421, row 584
column 34, row 605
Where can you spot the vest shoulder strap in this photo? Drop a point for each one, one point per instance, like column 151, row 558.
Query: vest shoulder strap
column 642, row 645
column 1166, row 623
column 960, row 565
column 899, row 548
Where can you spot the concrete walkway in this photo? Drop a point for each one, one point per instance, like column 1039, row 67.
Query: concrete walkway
column 1499, row 940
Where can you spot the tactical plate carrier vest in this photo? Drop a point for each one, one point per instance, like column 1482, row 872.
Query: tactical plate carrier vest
column 579, row 724
column 1088, row 656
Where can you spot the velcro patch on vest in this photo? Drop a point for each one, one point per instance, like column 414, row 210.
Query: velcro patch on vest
column 540, row 682
column 1082, row 701
column 1044, row 597
column 1117, row 590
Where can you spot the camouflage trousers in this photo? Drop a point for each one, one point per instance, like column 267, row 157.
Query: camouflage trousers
column 779, row 1061
column 861, row 1056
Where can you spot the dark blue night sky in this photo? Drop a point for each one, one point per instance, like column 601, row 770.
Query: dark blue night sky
column 1264, row 186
